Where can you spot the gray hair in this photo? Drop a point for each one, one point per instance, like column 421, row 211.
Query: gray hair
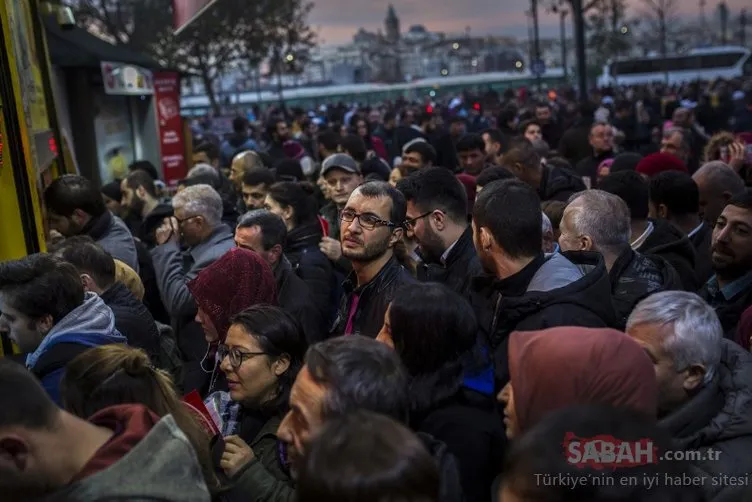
column 200, row 200
column 719, row 177
column 602, row 216
column 685, row 144
column 697, row 334
column 203, row 170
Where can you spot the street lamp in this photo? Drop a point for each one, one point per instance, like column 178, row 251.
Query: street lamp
column 624, row 30
column 518, row 65
column 455, row 46
column 290, row 58
column 444, row 72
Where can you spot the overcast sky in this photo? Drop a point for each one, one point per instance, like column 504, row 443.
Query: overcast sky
column 338, row 20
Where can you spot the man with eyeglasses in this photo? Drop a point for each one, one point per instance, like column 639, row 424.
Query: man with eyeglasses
column 437, row 218
column 370, row 228
column 197, row 225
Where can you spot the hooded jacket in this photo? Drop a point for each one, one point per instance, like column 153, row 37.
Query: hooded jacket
column 565, row 289
column 559, row 184
column 460, row 266
column 720, row 417
column 113, row 235
column 147, row 459
column 91, row 324
column 560, row 367
column 634, row 277
column 671, row 244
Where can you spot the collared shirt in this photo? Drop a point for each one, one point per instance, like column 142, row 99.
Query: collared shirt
column 446, row 253
column 641, row 239
column 720, row 295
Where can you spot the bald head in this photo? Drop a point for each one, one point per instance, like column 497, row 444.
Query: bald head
column 717, row 183
column 595, row 220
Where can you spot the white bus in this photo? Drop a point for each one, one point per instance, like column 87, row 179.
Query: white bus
column 698, row 64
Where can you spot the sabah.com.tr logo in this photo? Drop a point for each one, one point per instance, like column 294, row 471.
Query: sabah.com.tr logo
column 607, row 452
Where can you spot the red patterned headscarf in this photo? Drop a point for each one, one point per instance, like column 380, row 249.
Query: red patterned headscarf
column 236, row 281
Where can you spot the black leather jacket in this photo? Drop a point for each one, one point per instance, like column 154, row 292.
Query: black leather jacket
column 373, row 300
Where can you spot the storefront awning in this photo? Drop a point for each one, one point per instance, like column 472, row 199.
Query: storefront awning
column 77, row 48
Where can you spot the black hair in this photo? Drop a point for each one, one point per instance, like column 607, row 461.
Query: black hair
column 145, row 166
column 354, row 146
column 559, row 162
column 389, row 116
column 434, row 331
column 375, row 169
column 424, row 148
column 273, row 228
column 70, row 192
column 288, row 170
column 742, row 200
column 366, row 457
column 277, row 333
column 40, row 285
column 539, row 456
column 258, row 176
column 677, row 191
column 458, row 120
column 632, row 189
column 359, row 373
column 271, row 126
column 524, row 125
column 436, row 188
column 239, row 124
column 143, row 179
column 491, row 174
column 424, row 117
column 329, row 140
column 554, row 209
column 470, row 142
column 511, row 211
column 23, row 400
column 522, row 155
column 212, row 180
column 298, row 196
column 495, row 135
column 89, row 258
column 507, row 114
column 378, row 189
column 210, row 149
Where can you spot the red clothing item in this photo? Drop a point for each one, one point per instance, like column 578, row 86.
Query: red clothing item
column 236, row 281
column 659, row 162
column 379, row 148
column 560, row 367
column 130, row 424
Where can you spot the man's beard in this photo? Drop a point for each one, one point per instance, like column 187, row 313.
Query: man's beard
column 431, row 247
column 136, row 206
column 370, row 252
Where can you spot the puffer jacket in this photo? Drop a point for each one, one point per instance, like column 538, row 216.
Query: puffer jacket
column 634, row 277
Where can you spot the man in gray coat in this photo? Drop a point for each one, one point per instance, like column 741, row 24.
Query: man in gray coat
column 76, row 207
column 197, row 225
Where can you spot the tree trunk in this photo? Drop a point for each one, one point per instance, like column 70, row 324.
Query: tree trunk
column 209, row 88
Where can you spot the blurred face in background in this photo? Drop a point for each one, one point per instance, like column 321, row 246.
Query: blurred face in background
column 533, row 132
column 341, row 185
column 602, row 138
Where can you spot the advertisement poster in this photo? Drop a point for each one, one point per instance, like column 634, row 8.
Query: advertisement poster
column 112, row 128
column 170, row 125
column 186, row 11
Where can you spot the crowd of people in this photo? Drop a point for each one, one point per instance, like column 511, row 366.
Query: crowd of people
column 430, row 303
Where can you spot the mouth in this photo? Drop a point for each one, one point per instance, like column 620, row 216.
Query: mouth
column 231, row 384
column 351, row 241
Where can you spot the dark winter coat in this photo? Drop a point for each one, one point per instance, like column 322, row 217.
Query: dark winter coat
column 671, row 244
column 132, row 319
column 373, row 300
column 729, row 303
column 565, row 289
column 719, row 417
column 311, row 265
column 702, row 241
column 634, row 277
column 559, row 184
column 588, row 167
column 471, row 428
column 461, row 265
column 295, row 297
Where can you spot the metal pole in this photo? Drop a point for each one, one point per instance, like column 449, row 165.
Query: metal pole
column 536, row 46
column 579, row 39
column 743, row 28
column 563, row 27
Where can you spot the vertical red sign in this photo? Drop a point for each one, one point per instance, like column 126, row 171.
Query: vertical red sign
column 170, row 125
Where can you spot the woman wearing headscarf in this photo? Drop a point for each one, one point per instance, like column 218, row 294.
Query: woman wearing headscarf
column 560, row 367
column 236, row 281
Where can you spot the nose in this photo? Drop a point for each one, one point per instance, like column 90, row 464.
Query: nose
column 354, row 225
column 724, row 235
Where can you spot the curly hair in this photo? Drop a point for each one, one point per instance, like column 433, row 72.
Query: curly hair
column 713, row 148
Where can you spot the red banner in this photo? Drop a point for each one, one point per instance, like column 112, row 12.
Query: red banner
column 199, row 410
column 186, row 11
column 170, row 125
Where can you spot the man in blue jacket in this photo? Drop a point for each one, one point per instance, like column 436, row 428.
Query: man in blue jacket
column 46, row 312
